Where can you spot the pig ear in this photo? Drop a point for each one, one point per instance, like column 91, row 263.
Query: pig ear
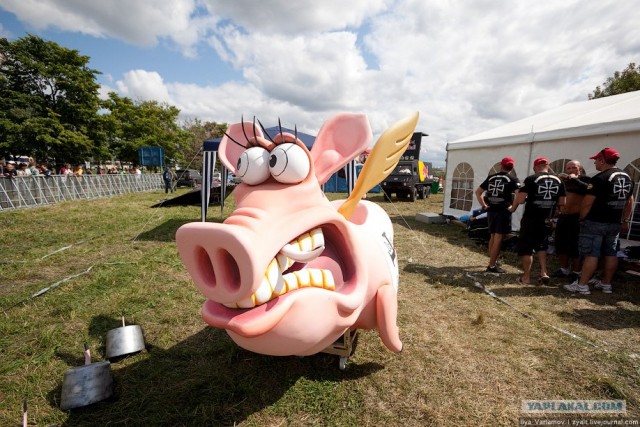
column 229, row 152
column 341, row 139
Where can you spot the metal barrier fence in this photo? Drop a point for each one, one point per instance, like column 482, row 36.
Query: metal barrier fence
column 30, row 191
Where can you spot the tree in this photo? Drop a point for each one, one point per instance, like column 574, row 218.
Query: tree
column 48, row 101
column 198, row 132
column 626, row 81
column 130, row 125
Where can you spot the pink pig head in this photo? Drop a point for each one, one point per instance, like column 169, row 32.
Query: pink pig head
column 285, row 273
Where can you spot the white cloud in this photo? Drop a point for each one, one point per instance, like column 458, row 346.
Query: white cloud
column 143, row 85
column 465, row 66
column 296, row 17
column 139, row 23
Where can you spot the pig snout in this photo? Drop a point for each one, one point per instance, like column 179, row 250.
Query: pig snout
column 218, row 260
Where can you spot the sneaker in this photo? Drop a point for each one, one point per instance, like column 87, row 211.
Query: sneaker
column 495, row 269
column 560, row 273
column 607, row 289
column 576, row 287
column 594, row 282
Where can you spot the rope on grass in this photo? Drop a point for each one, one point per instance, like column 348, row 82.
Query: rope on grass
column 413, row 232
column 64, row 248
column 48, row 288
column 527, row 315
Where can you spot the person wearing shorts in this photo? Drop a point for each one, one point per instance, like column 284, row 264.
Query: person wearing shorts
column 568, row 225
column 540, row 194
column 605, row 211
column 495, row 195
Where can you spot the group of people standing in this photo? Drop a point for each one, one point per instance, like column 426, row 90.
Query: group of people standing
column 590, row 212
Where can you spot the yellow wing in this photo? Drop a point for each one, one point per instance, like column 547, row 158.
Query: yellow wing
column 383, row 159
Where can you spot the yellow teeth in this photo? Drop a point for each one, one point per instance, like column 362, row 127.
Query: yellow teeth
column 305, row 248
column 312, row 277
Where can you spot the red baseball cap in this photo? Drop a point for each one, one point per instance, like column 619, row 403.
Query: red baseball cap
column 507, row 161
column 541, row 161
column 607, row 153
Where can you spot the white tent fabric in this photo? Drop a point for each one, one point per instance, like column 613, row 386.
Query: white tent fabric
column 573, row 131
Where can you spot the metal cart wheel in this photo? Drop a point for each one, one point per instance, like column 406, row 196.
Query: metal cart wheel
column 342, row 363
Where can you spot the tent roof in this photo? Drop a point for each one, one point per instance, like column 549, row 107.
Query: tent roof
column 611, row 114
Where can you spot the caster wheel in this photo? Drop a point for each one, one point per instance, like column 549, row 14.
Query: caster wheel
column 342, row 363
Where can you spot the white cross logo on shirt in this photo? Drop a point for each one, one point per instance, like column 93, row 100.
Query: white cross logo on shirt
column 622, row 188
column 548, row 189
column 496, row 188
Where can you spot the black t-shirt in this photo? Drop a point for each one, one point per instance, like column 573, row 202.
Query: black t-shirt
column 500, row 188
column 612, row 188
column 543, row 190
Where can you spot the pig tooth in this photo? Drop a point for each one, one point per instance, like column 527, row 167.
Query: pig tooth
column 305, row 242
column 303, row 278
column 284, row 261
column 263, row 294
column 304, row 257
column 317, row 237
column 279, row 287
column 272, row 272
column 315, row 275
column 291, row 281
column 306, row 247
column 274, row 277
column 328, row 281
column 248, row 302
column 276, row 284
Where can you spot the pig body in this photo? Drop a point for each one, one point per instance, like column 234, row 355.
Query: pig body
column 286, row 273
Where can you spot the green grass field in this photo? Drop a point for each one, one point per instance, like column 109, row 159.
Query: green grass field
column 468, row 358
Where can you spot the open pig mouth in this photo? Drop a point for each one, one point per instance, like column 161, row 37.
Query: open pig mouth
column 308, row 261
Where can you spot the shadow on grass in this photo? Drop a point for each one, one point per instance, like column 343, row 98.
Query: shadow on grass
column 166, row 232
column 604, row 319
column 206, row 380
column 607, row 316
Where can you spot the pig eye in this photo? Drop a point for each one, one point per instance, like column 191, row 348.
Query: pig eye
column 253, row 166
column 289, row 164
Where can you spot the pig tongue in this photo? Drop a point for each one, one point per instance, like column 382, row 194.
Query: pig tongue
column 304, row 249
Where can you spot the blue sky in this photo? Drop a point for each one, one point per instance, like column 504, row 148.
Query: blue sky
column 466, row 67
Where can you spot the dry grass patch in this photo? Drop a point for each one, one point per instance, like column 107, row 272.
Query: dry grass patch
column 468, row 358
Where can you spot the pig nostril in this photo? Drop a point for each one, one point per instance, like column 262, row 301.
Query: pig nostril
column 230, row 270
column 206, row 268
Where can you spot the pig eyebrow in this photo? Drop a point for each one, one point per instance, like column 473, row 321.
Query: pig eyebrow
column 233, row 140
column 295, row 130
column 265, row 131
column 243, row 131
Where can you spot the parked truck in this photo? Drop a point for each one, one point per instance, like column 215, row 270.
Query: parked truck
column 411, row 179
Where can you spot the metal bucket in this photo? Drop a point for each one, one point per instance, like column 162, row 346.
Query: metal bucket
column 84, row 385
column 123, row 341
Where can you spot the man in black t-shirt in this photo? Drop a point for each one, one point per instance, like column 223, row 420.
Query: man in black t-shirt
column 605, row 211
column 495, row 195
column 540, row 193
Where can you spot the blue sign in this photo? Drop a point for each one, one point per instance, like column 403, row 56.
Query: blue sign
column 151, row 156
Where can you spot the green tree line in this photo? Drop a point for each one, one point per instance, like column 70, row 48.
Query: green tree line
column 50, row 109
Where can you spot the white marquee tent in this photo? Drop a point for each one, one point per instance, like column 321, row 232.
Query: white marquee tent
column 574, row 131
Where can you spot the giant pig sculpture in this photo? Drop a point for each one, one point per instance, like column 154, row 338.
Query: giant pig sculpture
column 286, row 273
